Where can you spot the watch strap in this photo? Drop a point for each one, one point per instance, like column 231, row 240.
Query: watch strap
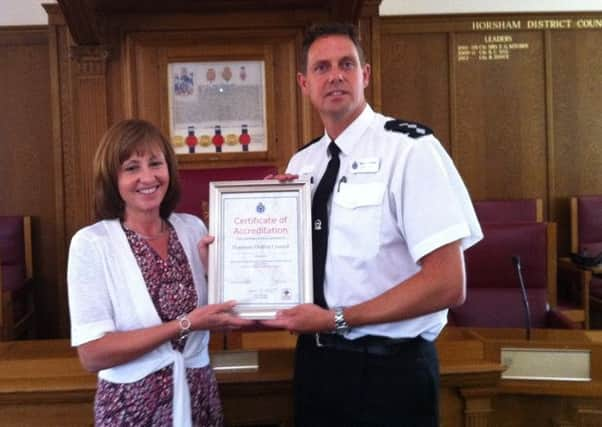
column 340, row 324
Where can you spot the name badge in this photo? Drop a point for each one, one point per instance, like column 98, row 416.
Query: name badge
column 367, row 165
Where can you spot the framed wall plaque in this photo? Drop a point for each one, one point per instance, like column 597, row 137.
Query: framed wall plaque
column 217, row 106
column 217, row 101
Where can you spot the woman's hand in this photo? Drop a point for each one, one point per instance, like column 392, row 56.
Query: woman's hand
column 217, row 317
column 282, row 177
column 203, row 247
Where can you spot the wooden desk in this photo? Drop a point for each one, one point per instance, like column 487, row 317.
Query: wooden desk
column 262, row 397
column 546, row 402
column 43, row 384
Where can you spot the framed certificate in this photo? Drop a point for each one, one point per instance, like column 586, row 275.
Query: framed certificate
column 262, row 253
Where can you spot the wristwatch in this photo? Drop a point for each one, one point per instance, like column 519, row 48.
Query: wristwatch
column 341, row 327
column 185, row 325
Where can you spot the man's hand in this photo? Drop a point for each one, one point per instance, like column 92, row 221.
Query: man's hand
column 203, row 247
column 304, row 318
column 282, row 177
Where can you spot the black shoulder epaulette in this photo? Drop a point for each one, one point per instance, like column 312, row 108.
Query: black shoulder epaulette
column 313, row 141
column 411, row 129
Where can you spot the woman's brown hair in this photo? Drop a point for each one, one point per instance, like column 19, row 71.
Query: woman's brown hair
column 116, row 146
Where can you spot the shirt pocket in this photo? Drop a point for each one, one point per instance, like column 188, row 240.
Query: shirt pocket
column 356, row 220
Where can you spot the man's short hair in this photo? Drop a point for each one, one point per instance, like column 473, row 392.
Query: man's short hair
column 317, row 31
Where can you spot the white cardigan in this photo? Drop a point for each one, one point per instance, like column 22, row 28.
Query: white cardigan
column 107, row 293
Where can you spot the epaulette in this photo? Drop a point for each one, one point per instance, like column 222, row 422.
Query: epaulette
column 413, row 130
column 313, row 141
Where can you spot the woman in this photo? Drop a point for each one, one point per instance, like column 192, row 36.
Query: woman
column 137, row 290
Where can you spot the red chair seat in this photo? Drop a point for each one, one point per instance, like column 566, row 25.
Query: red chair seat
column 16, row 286
column 495, row 308
column 493, row 295
column 590, row 223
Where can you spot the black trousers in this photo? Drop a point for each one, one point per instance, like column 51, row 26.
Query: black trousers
column 348, row 388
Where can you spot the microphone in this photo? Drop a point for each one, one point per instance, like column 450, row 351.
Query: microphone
column 516, row 262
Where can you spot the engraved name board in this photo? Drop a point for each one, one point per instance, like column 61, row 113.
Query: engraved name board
column 502, row 46
column 495, row 47
column 538, row 24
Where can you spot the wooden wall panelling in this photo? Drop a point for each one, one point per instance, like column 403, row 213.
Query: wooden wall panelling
column 115, row 81
column 87, row 94
column 523, row 124
column 500, row 137
column 453, row 117
column 451, row 408
column 521, row 410
column 478, row 408
column 550, row 135
column 90, row 118
column 577, row 84
column 369, row 30
column 62, row 137
column 27, row 172
column 79, row 108
column 415, row 80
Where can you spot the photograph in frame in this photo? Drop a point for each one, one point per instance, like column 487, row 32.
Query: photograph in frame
column 262, row 254
column 217, row 107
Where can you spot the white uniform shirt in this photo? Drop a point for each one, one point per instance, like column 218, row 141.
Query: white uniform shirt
column 397, row 198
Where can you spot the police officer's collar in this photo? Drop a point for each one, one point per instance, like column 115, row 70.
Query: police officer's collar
column 352, row 133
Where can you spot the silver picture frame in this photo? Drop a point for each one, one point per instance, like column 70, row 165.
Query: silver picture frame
column 262, row 253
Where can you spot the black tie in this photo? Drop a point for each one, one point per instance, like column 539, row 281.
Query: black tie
column 319, row 214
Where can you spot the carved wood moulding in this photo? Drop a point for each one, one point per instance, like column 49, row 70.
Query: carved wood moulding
column 91, row 60
column 87, row 19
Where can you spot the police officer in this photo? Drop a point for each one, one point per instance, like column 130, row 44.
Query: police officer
column 391, row 235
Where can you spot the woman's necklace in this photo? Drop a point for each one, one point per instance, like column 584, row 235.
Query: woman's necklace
column 160, row 234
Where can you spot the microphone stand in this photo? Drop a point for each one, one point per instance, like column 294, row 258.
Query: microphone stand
column 516, row 262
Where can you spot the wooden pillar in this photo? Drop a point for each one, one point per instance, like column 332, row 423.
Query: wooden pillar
column 588, row 413
column 477, row 406
column 90, row 122
column 78, row 82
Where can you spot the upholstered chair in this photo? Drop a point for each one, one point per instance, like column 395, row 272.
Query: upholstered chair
column 16, row 281
column 494, row 296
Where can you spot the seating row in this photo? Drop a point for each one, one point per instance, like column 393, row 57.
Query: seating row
column 581, row 274
column 517, row 246
column 515, row 228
